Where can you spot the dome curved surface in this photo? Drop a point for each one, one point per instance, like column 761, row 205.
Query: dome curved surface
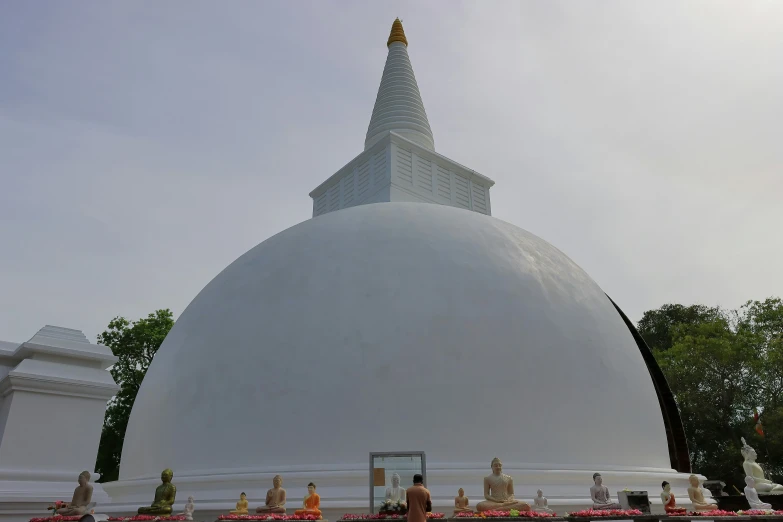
column 397, row 327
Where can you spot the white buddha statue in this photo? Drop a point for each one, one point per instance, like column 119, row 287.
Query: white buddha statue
column 752, row 469
column 540, row 503
column 752, row 495
column 190, row 507
column 395, row 493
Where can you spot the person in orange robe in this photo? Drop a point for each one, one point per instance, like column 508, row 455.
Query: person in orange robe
column 311, row 503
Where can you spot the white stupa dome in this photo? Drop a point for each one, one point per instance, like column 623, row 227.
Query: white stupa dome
column 397, row 326
column 395, row 322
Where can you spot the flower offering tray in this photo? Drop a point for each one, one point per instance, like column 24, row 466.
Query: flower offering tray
column 270, row 516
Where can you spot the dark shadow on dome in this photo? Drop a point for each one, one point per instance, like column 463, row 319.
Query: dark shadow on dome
column 675, row 434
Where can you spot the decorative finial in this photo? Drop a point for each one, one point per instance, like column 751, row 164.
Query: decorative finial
column 397, row 34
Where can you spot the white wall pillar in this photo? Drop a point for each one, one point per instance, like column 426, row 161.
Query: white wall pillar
column 53, row 394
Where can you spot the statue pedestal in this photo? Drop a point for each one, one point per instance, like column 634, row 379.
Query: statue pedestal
column 53, row 394
column 775, row 500
column 732, row 502
column 634, row 500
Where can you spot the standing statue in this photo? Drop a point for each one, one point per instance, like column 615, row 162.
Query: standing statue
column 752, row 495
column 600, row 494
column 499, row 491
column 164, row 496
column 669, row 503
column 696, row 495
column 311, row 503
column 275, row 498
column 82, row 496
column 540, row 503
column 461, row 503
column 395, row 493
column 190, row 507
column 241, row 505
column 752, row 469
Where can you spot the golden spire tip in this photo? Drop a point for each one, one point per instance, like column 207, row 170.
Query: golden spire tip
column 397, row 34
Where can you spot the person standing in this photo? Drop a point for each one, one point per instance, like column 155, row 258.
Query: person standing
column 418, row 499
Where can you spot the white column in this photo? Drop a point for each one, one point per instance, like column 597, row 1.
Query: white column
column 54, row 390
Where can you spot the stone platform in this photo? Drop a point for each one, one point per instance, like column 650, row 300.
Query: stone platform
column 739, row 502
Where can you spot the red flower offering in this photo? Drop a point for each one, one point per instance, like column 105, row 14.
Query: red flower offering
column 598, row 513
column 57, row 518
column 379, row 516
column 270, row 516
column 507, row 514
column 146, row 518
column 713, row 513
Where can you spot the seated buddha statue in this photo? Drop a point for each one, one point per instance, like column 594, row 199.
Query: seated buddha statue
column 164, row 496
column 669, row 503
column 311, row 503
column 461, row 503
column 752, row 495
column 752, row 469
column 395, row 493
column 600, row 494
column 241, row 505
column 499, row 492
column 696, row 495
column 82, row 496
column 190, row 508
column 540, row 503
column 275, row 498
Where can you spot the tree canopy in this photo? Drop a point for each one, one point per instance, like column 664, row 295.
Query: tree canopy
column 722, row 366
column 135, row 344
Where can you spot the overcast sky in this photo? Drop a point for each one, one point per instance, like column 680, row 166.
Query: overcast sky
column 146, row 145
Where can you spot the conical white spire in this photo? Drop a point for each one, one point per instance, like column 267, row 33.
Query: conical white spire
column 398, row 106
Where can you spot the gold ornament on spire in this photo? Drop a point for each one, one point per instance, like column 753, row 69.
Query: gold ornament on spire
column 397, row 34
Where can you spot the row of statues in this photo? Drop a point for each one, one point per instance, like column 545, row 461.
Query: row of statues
column 699, row 502
column 275, row 501
column 498, row 494
column 462, row 503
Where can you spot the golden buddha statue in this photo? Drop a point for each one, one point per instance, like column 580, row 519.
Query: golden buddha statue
column 241, row 505
column 499, row 492
column 275, row 498
column 82, row 496
column 311, row 503
column 461, row 503
column 697, row 496
column 164, row 496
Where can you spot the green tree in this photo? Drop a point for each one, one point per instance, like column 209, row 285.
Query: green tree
column 657, row 326
column 135, row 345
column 721, row 365
column 761, row 325
column 707, row 367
